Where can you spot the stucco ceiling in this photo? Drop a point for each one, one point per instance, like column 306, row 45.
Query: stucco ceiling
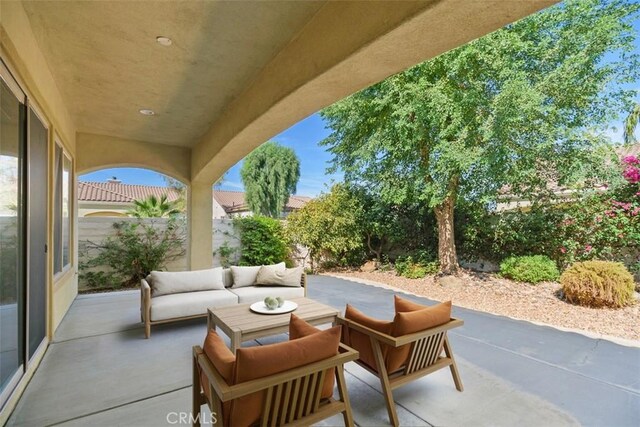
column 107, row 64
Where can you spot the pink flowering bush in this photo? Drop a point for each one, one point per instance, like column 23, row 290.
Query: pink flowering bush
column 631, row 169
column 606, row 226
column 600, row 227
column 603, row 226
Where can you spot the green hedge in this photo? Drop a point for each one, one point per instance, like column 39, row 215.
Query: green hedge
column 262, row 241
column 531, row 269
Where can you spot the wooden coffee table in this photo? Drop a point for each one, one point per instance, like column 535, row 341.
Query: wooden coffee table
column 241, row 324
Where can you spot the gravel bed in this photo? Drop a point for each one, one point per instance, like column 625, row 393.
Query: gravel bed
column 537, row 303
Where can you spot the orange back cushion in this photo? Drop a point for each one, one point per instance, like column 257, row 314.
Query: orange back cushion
column 259, row 362
column 403, row 305
column 223, row 360
column 298, row 328
column 362, row 342
column 409, row 322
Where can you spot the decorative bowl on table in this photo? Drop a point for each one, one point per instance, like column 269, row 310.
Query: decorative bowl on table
column 273, row 305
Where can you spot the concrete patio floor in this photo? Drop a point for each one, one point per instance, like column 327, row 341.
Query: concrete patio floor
column 100, row 371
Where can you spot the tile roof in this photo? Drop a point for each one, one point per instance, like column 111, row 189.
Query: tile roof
column 628, row 150
column 117, row 192
column 233, row 201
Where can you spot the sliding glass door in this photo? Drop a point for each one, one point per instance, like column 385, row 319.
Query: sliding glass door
column 24, row 145
column 12, row 235
column 37, row 233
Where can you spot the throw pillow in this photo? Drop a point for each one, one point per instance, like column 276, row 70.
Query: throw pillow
column 271, row 277
column 246, row 276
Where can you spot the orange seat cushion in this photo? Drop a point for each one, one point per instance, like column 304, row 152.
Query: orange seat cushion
column 409, row 322
column 299, row 328
column 223, row 360
column 259, row 362
column 362, row 342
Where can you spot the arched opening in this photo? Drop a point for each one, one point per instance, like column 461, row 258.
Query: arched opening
column 130, row 220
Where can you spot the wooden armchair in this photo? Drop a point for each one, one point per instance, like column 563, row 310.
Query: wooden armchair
column 424, row 357
column 291, row 398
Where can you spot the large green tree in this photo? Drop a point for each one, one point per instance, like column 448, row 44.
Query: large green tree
column 270, row 174
column 520, row 107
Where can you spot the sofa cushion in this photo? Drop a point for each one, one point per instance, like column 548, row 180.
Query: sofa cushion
column 298, row 328
column 227, row 277
column 272, row 277
column 223, row 360
column 165, row 282
column 413, row 321
column 403, row 305
column 251, row 294
column 246, row 276
column 260, row 362
column 189, row 303
column 362, row 342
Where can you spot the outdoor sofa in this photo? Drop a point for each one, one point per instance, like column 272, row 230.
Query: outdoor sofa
column 173, row 296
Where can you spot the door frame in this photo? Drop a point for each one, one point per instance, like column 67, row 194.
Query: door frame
column 32, row 106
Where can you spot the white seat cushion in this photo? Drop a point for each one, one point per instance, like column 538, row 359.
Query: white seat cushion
column 251, row 294
column 189, row 303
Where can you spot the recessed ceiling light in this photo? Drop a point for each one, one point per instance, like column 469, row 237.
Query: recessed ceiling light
column 164, row 41
column 147, row 112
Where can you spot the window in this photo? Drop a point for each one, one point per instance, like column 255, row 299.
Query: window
column 62, row 218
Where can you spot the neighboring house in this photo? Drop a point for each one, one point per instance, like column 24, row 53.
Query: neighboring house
column 113, row 198
column 232, row 202
column 562, row 194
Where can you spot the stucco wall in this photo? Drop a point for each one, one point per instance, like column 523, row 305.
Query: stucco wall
column 26, row 62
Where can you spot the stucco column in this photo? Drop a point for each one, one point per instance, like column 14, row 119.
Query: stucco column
column 200, row 213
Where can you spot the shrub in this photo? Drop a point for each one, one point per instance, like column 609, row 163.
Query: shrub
column 137, row 248
column 494, row 236
column 407, row 267
column 603, row 226
column 598, row 284
column 228, row 254
column 330, row 226
column 262, row 241
column 532, row 269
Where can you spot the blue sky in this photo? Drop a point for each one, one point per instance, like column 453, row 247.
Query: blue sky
column 304, row 137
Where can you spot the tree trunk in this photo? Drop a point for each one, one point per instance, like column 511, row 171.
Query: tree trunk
column 446, row 240
column 378, row 251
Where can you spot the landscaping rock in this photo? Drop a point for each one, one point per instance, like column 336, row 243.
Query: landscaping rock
column 369, row 267
column 450, row 281
column 540, row 303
